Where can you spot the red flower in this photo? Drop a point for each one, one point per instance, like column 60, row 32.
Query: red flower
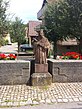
column 7, row 57
column 3, row 56
column 80, row 57
column 75, row 56
column 12, row 56
column 72, row 55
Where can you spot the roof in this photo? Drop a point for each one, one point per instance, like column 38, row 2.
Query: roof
column 32, row 25
column 45, row 1
column 48, row 1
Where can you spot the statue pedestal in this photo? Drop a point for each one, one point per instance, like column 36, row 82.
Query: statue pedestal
column 41, row 77
column 41, row 68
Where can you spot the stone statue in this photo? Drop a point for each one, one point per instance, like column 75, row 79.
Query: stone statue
column 41, row 47
column 41, row 76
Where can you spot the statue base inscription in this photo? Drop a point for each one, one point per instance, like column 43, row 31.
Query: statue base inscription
column 41, row 79
column 41, row 68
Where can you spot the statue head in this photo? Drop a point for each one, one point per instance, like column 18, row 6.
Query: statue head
column 42, row 32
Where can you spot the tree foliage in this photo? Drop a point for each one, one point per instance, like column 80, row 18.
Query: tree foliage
column 18, row 31
column 63, row 19
column 3, row 20
column 15, row 28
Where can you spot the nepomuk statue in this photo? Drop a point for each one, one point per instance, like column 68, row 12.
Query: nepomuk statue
column 41, row 48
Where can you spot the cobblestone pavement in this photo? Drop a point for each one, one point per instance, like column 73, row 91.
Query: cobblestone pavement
column 21, row 95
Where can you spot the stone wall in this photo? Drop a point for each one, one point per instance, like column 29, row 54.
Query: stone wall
column 25, row 58
column 14, row 72
column 65, row 70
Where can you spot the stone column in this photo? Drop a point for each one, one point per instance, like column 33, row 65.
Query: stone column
column 30, row 41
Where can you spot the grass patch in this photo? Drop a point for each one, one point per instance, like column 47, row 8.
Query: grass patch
column 35, row 100
column 44, row 87
column 9, row 101
column 14, row 101
column 29, row 51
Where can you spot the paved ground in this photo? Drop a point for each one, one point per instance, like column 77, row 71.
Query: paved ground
column 53, row 106
column 9, row 48
column 21, row 95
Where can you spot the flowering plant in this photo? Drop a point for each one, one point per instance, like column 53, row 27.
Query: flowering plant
column 7, row 57
column 11, row 57
column 71, row 55
column 3, row 57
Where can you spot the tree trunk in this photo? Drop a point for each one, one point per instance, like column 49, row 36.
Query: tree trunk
column 55, row 49
column 18, row 47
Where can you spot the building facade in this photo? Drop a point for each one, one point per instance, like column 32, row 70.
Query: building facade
column 30, row 30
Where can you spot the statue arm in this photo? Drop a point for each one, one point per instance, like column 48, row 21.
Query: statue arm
column 35, row 40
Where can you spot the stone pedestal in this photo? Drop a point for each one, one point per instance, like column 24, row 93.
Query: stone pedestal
column 41, row 76
column 41, row 79
column 41, row 68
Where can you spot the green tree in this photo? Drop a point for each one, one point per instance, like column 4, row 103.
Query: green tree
column 63, row 19
column 18, row 31
column 3, row 20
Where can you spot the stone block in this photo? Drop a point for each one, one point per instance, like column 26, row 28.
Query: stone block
column 41, row 68
column 14, row 72
column 65, row 70
column 41, row 79
column 59, row 78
